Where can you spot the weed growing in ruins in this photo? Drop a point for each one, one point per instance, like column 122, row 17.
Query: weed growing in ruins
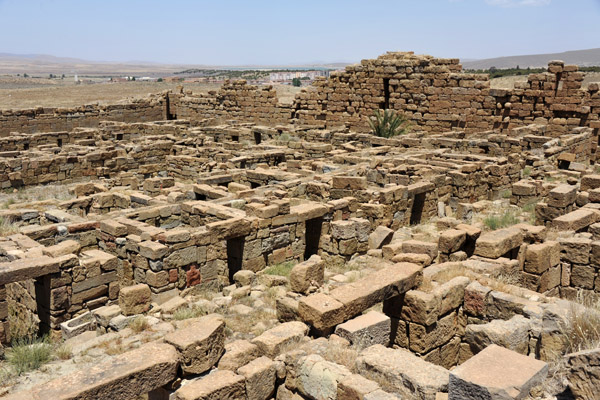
column 194, row 311
column 506, row 194
column 282, row 269
column 526, row 172
column 29, row 354
column 139, row 324
column 388, row 123
column 7, row 227
column 582, row 328
column 494, row 222
column 63, row 351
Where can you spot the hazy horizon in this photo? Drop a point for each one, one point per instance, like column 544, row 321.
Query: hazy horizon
column 274, row 33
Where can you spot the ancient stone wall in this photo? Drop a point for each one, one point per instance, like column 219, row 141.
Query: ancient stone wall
column 43, row 119
column 235, row 100
column 436, row 96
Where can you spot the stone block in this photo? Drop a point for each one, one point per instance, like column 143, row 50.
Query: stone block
column 122, row 377
column 380, row 237
column 575, row 220
column 497, row 243
column 306, row 274
column 408, row 375
column 496, row 373
column 451, row 240
column 260, row 378
column 271, row 341
column 220, row 385
column 540, row 257
column 237, row 354
column 319, row 379
column 366, row 330
column 562, row 196
column 355, row 387
column 512, row 334
column 135, row 299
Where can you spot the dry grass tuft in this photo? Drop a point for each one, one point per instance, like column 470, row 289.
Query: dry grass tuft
column 582, row 329
column 7, row 227
column 194, row 311
column 282, row 269
column 139, row 324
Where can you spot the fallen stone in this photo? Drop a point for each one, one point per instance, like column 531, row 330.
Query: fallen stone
column 220, row 385
column 135, row 299
column 366, row 330
column 496, row 373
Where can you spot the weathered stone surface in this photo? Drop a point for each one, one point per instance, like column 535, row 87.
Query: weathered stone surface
column 562, row 196
column 123, row 377
column 366, row 330
column 584, row 374
column 380, row 237
column 220, row 385
column 238, row 353
column 540, row 257
column 321, row 311
column 408, row 374
column 512, row 334
column 271, row 341
column 27, row 268
column 376, row 287
column 200, row 344
column 62, row 248
column 355, row 387
column 451, row 240
column 135, row 299
column 575, row 220
column 496, row 373
column 495, row 244
column 260, row 378
column 306, row 274
column 318, row 379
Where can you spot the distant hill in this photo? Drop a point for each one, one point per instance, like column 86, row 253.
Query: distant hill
column 41, row 64
column 584, row 58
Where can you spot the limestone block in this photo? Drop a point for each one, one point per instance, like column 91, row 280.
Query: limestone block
column 260, row 378
column 512, row 334
column 343, row 230
column 496, row 373
column 122, row 377
column 318, row 379
column 451, row 240
column 62, row 248
column 271, row 341
column 153, row 250
column 495, row 244
column 575, row 220
column 562, row 196
column 366, row 330
column 540, row 257
column 407, row 374
column 237, row 354
column 306, row 274
column 584, row 374
column 355, row 387
column 135, row 299
column 380, row 237
column 200, row 344
column 576, row 249
column 220, row 385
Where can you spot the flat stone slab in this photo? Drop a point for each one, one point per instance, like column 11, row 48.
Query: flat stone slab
column 575, row 220
column 495, row 244
column 271, row 341
column 496, row 373
column 220, row 385
column 123, row 377
column 27, row 268
column 409, row 375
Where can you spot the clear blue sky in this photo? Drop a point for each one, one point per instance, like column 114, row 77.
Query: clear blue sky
column 236, row 32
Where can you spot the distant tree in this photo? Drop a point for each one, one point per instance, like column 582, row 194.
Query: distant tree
column 133, row 78
column 518, row 67
column 51, row 76
column 493, row 69
column 159, row 80
column 25, row 76
column 63, row 76
column 296, row 82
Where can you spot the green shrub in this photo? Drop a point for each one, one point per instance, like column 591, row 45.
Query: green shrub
column 494, row 222
column 28, row 354
column 282, row 269
column 388, row 123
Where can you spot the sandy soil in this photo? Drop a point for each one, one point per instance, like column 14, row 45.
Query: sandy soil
column 39, row 92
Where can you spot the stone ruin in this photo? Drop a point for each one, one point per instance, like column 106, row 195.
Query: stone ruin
column 185, row 209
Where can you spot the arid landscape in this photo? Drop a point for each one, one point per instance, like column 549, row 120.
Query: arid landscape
column 277, row 205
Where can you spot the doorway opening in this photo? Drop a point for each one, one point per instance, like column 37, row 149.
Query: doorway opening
column 312, row 236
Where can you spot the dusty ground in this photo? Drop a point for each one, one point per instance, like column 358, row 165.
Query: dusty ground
column 507, row 82
column 36, row 92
